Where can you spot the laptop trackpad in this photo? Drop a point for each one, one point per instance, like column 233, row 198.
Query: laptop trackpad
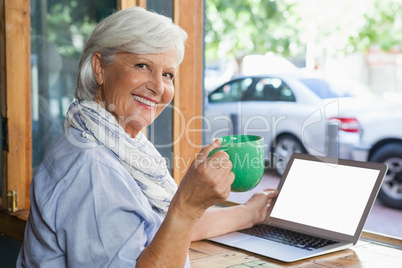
column 261, row 246
column 248, row 241
column 244, row 241
column 270, row 249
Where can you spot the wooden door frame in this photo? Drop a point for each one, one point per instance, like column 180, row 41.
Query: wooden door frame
column 15, row 76
column 187, row 121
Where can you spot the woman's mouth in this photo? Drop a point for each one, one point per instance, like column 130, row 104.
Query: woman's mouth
column 144, row 101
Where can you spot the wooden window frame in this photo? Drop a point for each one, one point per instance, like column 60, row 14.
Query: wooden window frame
column 15, row 76
column 188, row 100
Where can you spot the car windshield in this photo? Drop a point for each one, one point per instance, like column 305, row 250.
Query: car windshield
column 323, row 89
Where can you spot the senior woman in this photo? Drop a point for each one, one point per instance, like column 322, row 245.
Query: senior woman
column 102, row 196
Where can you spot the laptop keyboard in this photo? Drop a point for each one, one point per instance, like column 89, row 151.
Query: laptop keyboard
column 288, row 237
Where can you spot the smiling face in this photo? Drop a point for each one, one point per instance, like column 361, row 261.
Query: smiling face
column 135, row 88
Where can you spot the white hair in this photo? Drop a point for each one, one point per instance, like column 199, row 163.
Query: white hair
column 133, row 30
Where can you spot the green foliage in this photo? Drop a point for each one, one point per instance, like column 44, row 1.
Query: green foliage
column 239, row 27
column 68, row 23
column 235, row 28
column 382, row 28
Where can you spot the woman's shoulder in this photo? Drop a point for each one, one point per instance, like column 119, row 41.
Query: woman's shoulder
column 73, row 165
column 75, row 152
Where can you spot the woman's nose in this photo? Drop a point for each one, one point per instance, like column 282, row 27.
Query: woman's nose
column 155, row 84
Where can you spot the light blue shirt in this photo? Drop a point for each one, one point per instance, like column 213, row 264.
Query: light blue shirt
column 86, row 210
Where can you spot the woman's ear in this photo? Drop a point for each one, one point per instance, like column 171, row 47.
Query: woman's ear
column 97, row 66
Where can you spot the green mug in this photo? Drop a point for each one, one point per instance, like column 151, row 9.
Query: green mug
column 246, row 152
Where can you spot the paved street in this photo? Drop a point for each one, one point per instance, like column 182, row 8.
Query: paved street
column 382, row 219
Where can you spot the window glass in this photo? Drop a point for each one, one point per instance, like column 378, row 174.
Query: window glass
column 323, row 89
column 271, row 89
column 59, row 29
column 231, row 92
column 162, row 140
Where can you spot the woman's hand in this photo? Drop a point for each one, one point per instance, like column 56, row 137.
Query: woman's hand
column 221, row 220
column 258, row 204
column 206, row 183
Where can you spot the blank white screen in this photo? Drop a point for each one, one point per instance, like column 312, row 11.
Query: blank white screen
column 327, row 196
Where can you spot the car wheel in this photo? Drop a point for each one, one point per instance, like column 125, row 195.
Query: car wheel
column 282, row 150
column 391, row 190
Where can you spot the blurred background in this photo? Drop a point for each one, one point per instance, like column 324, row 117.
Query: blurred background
column 359, row 39
column 286, row 69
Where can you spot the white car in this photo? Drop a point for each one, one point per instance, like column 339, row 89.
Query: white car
column 292, row 112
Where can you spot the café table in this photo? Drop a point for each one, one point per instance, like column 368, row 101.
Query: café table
column 366, row 254
column 372, row 251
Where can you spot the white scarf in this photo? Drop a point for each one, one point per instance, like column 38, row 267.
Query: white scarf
column 137, row 155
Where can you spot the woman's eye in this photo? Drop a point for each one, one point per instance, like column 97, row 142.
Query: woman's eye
column 141, row 65
column 168, row 75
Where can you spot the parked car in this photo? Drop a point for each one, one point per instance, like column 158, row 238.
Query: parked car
column 292, row 111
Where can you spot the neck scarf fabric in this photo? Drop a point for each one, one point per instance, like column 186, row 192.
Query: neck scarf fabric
column 137, row 155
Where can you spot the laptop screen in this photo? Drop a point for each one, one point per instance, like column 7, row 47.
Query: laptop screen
column 327, row 196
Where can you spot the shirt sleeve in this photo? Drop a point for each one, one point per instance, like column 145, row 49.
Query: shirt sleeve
column 95, row 216
column 104, row 219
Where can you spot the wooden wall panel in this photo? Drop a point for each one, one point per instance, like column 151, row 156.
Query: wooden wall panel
column 18, row 96
column 3, row 96
column 187, row 123
column 122, row 4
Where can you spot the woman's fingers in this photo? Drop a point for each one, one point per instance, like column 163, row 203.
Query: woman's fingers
column 205, row 151
column 264, row 197
column 208, row 180
column 211, row 175
column 205, row 161
column 270, row 193
column 258, row 204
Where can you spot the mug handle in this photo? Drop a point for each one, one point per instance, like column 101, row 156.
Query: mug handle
column 216, row 150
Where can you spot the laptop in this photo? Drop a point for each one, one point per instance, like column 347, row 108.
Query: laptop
column 322, row 206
